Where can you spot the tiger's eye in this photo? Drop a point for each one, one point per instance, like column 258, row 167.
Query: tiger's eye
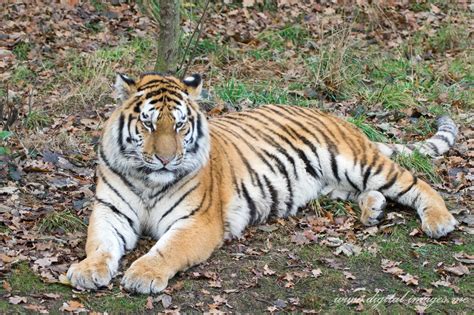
column 179, row 124
column 148, row 124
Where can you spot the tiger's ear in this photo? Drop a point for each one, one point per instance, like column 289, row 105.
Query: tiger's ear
column 124, row 86
column 193, row 86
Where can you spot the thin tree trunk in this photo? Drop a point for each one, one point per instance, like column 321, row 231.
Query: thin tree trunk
column 168, row 39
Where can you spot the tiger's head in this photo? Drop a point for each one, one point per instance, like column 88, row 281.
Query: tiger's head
column 160, row 129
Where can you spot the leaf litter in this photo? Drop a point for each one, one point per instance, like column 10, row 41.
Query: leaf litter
column 47, row 176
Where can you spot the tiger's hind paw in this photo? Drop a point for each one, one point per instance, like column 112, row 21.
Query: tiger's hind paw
column 372, row 204
column 438, row 223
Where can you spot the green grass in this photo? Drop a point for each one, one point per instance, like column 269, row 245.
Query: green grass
column 372, row 133
column 94, row 27
column 419, row 164
column 4, row 135
column 61, row 220
column 37, row 119
column 336, row 207
column 423, row 127
column 99, row 5
column 449, row 37
column 21, row 50
column 295, row 33
column 22, row 74
column 334, row 71
column 236, row 93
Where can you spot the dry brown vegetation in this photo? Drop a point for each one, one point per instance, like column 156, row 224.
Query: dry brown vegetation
column 390, row 67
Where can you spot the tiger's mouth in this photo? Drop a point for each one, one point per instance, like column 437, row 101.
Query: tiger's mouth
column 158, row 166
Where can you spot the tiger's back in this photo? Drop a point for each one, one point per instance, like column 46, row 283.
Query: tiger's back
column 281, row 157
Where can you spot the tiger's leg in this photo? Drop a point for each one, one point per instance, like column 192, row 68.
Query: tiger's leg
column 109, row 235
column 400, row 185
column 187, row 243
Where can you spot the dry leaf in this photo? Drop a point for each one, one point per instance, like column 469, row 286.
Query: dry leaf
column 17, row 299
column 149, row 303
column 73, row 306
column 267, row 271
column 458, row 269
column 409, row 279
column 464, row 258
column 316, row 272
column 349, row 275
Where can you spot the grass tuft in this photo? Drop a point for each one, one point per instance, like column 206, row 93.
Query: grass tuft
column 64, row 220
column 420, row 164
column 371, row 133
column 21, row 50
column 37, row 119
column 448, row 37
column 334, row 69
column 236, row 93
column 22, row 74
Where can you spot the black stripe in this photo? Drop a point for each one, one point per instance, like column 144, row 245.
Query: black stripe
column 223, row 120
column 334, row 166
column 447, row 128
column 116, row 192
column 253, row 148
column 433, row 147
column 119, row 213
column 418, row 194
column 178, row 202
column 283, row 171
column 330, row 138
column 308, row 167
column 273, row 195
column 366, row 177
column 415, row 180
column 232, row 171
column 121, row 237
column 200, row 134
column 271, row 120
column 120, row 135
column 351, row 182
column 331, row 146
column 443, row 138
column 157, row 83
column 191, row 213
column 165, row 189
column 117, row 173
column 253, row 209
column 379, row 169
column 268, row 138
column 136, row 108
column 389, row 183
column 250, row 170
column 129, row 128
column 163, row 90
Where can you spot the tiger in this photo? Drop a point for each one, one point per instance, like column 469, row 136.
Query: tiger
column 168, row 171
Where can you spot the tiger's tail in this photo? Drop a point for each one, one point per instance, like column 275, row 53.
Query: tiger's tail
column 437, row 145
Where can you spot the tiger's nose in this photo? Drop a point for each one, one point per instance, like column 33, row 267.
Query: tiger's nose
column 164, row 160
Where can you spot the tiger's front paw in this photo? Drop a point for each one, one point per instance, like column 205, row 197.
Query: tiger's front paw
column 437, row 222
column 92, row 273
column 145, row 276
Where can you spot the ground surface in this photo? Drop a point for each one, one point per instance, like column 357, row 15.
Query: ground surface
column 388, row 69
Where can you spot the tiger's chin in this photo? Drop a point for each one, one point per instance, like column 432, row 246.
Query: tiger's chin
column 162, row 177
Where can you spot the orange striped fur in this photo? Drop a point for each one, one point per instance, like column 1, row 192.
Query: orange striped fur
column 166, row 171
